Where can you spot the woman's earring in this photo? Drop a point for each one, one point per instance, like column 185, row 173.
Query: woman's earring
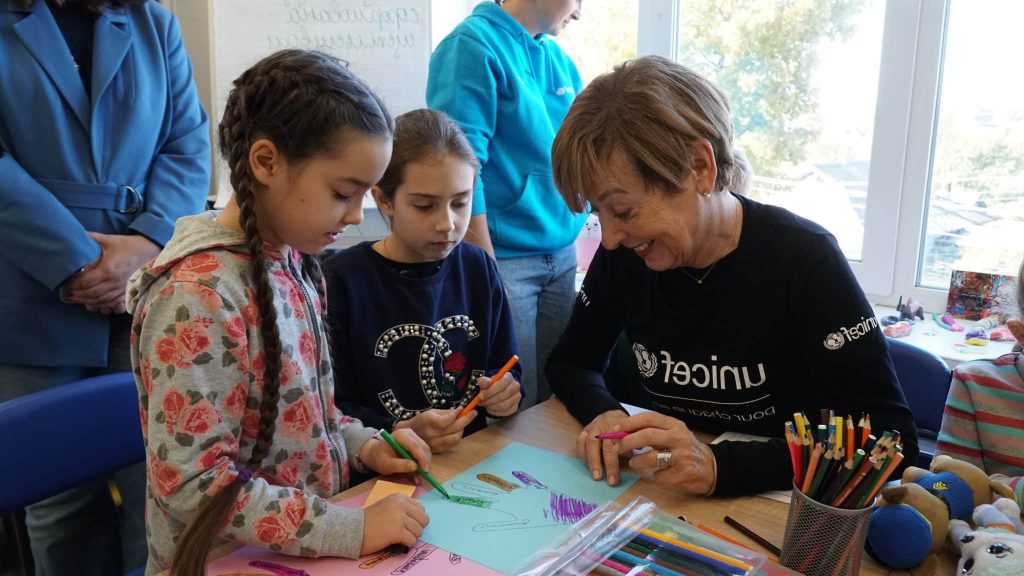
column 706, row 193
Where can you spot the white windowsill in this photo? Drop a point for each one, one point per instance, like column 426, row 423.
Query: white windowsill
column 946, row 344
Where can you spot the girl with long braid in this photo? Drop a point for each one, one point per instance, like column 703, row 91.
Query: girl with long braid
column 236, row 393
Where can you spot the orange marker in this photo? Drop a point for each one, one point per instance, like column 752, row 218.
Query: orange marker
column 497, row 376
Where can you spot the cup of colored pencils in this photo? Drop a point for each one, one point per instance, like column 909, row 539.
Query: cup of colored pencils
column 839, row 466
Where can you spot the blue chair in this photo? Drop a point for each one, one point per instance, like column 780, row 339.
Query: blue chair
column 925, row 380
column 95, row 432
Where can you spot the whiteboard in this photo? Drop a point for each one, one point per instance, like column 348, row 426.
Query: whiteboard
column 386, row 43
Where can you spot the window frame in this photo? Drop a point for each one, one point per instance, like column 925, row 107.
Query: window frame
column 902, row 147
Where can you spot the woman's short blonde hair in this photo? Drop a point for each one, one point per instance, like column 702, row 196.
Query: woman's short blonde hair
column 653, row 110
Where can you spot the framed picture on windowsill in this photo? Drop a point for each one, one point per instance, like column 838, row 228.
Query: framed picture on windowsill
column 975, row 295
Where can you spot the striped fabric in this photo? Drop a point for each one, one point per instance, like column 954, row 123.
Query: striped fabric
column 983, row 422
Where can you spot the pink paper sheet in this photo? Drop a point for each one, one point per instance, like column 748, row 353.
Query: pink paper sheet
column 422, row 560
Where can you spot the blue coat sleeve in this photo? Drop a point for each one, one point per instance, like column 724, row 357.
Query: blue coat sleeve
column 39, row 234
column 179, row 178
column 463, row 83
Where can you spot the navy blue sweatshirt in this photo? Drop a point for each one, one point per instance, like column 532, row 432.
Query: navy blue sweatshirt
column 405, row 343
column 777, row 326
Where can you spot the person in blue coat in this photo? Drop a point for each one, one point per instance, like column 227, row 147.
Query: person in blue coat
column 504, row 79
column 103, row 145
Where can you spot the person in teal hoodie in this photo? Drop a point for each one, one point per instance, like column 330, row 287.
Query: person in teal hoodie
column 503, row 78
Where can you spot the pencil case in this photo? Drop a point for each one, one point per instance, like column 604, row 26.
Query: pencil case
column 638, row 539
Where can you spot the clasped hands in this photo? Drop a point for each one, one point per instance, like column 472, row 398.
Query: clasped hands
column 688, row 466
column 100, row 286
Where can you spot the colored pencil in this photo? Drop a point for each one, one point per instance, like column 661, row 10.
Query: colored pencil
column 497, row 376
column 681, row 564
column 812, row 468
column 719, row 535
column 896, row 459
column 753, row 536
column 647, row 566
column 709, row 556
column 865, row 466
column 850, row 448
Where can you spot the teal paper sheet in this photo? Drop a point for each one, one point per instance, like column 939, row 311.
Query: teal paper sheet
column 531, row 496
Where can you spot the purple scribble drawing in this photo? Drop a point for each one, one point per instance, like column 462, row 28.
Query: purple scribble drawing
column 527, row 480
column 454, row 558
column 279, row 569
column 420, row 555
column 568, row 510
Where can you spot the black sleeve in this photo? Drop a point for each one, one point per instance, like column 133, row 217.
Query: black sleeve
column 577, row 363
column 346, row 384
column 846, row 352
column 848, row 370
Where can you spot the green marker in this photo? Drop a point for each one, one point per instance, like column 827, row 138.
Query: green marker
column 404, row 454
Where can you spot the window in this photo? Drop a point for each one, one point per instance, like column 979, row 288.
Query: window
column 604, row 36
column 975, row 205
column 801, row 78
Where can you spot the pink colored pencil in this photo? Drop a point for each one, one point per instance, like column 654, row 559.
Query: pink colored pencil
column 616, row 566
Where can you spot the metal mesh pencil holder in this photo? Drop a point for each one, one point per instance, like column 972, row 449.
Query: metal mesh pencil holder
column 821, row 540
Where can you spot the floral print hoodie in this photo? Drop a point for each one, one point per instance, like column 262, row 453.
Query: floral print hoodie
column 198, row 360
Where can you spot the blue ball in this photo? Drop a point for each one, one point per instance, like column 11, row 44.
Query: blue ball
column 899, row 536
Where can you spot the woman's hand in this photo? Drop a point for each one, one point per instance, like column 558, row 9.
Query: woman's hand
column 601, row 454
column 396, row 519
column 377, row 455
column 100, row 287
column 691, row 466
column 501, row 397
column 440, row 429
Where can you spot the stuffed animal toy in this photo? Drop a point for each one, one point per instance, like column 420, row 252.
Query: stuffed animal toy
column 996, row 547
column 908, row 530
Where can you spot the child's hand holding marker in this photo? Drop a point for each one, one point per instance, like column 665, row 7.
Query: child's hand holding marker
column 440, row 429
column 379, row 455
column 499, row 394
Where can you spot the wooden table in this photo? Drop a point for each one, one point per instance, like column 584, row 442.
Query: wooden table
column 549, row 425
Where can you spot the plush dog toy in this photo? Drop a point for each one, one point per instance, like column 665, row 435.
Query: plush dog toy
column 996, row 547
column 908, row 530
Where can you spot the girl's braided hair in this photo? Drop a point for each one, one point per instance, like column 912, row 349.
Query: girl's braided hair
column 301, row 101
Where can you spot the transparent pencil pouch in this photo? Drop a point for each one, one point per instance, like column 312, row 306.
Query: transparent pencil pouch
column 636, row 538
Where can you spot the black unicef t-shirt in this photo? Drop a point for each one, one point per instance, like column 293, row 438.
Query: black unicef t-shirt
column 777, row 326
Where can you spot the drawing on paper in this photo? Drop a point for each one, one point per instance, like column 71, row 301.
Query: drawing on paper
column 546, row 508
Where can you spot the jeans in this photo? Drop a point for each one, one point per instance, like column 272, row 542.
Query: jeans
column 540, row 291
column 81, row 531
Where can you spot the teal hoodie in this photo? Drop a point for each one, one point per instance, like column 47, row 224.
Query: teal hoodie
column 509, row 92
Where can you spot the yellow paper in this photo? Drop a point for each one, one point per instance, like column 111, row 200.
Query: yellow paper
column 382, row 489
